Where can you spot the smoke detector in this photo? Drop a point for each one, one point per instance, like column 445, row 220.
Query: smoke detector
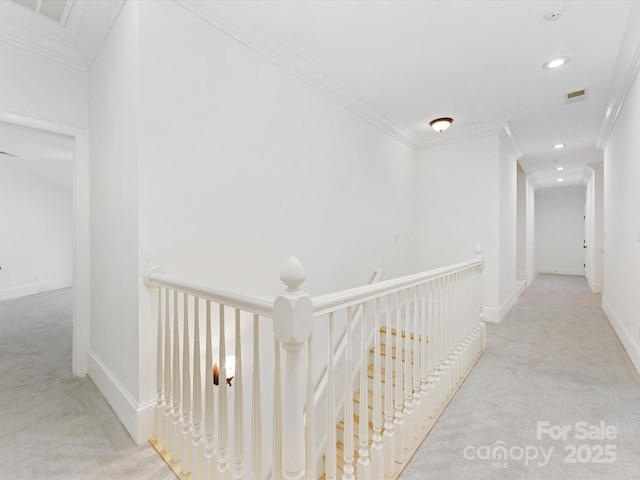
column 554, row 14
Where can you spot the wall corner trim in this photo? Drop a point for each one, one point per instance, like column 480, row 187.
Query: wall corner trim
column 624, row 73
column 136, row 417
column 631, row 347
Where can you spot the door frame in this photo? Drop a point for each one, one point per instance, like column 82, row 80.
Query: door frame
column 80, row 275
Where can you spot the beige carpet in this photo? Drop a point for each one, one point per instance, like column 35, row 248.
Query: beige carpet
column 553, row 359
column 55, row 426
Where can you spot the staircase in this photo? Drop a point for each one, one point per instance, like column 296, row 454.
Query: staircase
column 421, row 434
column 408, row 343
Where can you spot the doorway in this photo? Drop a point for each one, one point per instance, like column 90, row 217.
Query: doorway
column 77, row 140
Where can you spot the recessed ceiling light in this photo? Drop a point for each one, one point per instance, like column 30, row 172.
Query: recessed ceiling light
column 559, row 145
column 559, row 168
column 441, row 124
column 555, row 63
column 561, row 179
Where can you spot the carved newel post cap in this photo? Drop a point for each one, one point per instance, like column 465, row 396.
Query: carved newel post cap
column 479, row 250
column 293, row 275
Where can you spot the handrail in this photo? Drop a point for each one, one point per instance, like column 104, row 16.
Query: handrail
column 337, row 354
column 324, row 304
column 260, row 304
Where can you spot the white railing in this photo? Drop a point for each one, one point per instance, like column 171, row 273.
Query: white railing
column 430, row 322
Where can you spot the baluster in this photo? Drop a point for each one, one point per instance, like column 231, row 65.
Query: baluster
column 277, row 412
column 417, row 410
column 223, row 426
column 348, row 407
column 197, row 460
column 330, row 459
column 364, row 466
column 159, row 374
column 310, row 418
column 177, row 385
column 256, row 407
column 432, row 391
column 238, row 407
column 209, row 419
column 399, row 415
column 377, row 465
column 168, row 428
column 408, row 382
column 185, row 463
column 389, row 439
column 424, row 354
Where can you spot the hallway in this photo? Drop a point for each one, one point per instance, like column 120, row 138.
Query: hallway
column 56, row 426
column 554, row 359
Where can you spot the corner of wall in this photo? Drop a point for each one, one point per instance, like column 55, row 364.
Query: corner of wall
column 137, row 418
column 630, row 345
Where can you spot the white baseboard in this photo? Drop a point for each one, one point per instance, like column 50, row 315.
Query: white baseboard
column 33, row 288
column 561, row 271
column 54, row 285
column 595, row 287
column 137, row 418
column 531, row 278
column 16, row 292
column 630, row 345
column 491, row 314
column 496, row 315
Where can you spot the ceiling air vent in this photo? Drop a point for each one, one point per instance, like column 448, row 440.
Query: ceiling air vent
column 577, row 96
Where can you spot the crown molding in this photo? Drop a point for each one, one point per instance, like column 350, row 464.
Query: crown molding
column 510, row 141
column 99, row 20
column 76, row 43
column 449, row 137
column 624, row 73
column 226, row 20
column 54, row 51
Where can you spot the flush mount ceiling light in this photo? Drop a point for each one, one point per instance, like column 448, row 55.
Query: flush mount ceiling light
column 441, row 124
column 555, row 63
column 559, row 169
column 561, row 179
column 559, row 145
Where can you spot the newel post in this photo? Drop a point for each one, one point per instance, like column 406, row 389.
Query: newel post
column 292, row 323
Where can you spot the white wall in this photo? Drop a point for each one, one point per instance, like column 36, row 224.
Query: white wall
column 37, row 223
column 621, row 301
column 466, row 195
column 594, row 227
column 521, row 225
column 508, row 203
column 238, row 165
column 42, row 88
column 114, row 344
column 560, row 230
column 531, row 231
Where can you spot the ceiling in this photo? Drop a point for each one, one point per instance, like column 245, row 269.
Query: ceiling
column 400, row 64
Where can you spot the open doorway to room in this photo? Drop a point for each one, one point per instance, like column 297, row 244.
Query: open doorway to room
column 37, row 218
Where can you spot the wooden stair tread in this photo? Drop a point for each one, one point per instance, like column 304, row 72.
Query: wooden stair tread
column 383, row 352
column 394, row 332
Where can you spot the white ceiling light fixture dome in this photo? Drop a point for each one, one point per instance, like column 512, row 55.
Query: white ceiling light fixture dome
column 561, row 179
column 555, row 63
column 441, row 124
column 559, row 145
column 559, row 169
